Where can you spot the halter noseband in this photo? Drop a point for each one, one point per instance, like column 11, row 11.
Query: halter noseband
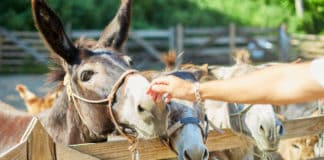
column 239, row 115
column 181, row 123
column 110, row 99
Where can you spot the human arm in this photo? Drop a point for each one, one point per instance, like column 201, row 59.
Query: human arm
column 282, row 84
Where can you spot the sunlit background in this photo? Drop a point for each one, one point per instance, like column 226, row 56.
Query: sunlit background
column 207, row 31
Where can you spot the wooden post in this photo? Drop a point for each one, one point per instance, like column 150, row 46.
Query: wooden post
column 299, row 8
column 171, row 38
column 284, row 43
column 179, row 43
column 40, row 145
column 232, row 45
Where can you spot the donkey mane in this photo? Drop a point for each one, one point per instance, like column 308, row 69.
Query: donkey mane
column 242, row 56
column 169, row 59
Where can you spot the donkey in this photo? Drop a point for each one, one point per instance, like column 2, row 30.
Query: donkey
column 79, row 114
column 34, row 103
column 258, row 122
column 187, row 132
column 188, row 126
column 12, row 127
column 170, row 59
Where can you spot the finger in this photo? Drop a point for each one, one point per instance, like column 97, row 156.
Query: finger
column 168, row 100
column 153, row 96
column 149, row 90
column 161, row 80
column 160, row 88
column 159, row 98
column 156, row 96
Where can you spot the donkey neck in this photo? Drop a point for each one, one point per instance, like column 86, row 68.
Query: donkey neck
column 64, row 124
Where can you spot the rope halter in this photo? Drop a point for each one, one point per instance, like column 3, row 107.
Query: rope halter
column 239, row 115
column 132, row 140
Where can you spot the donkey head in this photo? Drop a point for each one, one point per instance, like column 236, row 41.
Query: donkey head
column 188, row 140
column 92, row 70
column 259, row 122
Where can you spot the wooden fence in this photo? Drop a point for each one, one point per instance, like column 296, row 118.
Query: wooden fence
column 200, row 45
column 310, row 46
column 38, row 145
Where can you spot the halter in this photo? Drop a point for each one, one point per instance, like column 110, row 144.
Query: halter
column 239, row 115
column 132, row 140
column 181, row 123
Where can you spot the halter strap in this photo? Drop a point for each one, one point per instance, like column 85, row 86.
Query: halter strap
column 239, row 114
column 184, row 121
column 110, row 99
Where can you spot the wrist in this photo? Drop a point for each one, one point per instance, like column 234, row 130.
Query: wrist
column 190, row 92
column 197, row 92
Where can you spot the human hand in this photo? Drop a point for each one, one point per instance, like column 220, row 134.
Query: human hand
column 171, row 87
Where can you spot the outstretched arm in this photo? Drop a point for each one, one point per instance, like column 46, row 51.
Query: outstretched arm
column 288, row 83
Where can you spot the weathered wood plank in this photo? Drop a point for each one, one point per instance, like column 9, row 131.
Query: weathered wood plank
column 205, row 31
column 40, row 144
column 19, row 152
column 139, row 33
column 211, row 51
column 152, row 33
column 1, row 43
column 303, row 126
column 66, row 153
column 217, row 41
column 308, row 37
column 26, row 34
column 11, row 47
column 12, row 62
column 154, row 52
column 153, row 148
column 253, row 30
column 13, row 54
column 24, row 46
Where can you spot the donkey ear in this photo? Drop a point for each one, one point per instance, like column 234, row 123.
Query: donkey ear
column 116, row 33
column 52, row 31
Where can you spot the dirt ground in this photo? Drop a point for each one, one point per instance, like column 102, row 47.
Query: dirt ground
column 8, row 94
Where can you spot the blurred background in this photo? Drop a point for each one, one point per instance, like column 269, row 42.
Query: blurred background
column 207, row 31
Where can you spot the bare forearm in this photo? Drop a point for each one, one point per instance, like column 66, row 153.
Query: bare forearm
column 275, row 85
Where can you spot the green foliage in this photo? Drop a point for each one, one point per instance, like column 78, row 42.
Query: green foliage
column 314, row 22
column 95, row 14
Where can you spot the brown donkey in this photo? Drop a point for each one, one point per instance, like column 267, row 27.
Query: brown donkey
column 34, row 103
column 80, row 113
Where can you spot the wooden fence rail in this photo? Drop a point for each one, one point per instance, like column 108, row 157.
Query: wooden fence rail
column 200, row 45
column 310, row 46
column 37, row 144
column 211, row 44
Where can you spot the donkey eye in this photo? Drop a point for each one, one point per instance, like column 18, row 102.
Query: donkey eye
column 86, row 75
column 295, row 146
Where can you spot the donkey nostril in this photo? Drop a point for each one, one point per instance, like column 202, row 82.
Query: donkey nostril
column 206, row 154
column 140, row 108
column 262, row 129
column 280, row 129
column 186, row 155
